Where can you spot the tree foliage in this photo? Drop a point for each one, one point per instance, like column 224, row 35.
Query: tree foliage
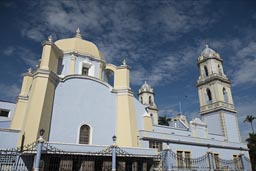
column 164, row 120
column 252, row 149
column 251, row 141
column 250, row 118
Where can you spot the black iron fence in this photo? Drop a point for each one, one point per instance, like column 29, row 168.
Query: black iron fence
column 53, row 159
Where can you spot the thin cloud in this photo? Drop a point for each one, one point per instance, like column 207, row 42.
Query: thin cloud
column 246, row 70
column 9, row 51
column 244, row 109
column 9, row 91
column 177, row 18
column 246, row 73
column 25, row 55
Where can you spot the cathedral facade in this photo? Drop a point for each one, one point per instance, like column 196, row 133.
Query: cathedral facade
column 70, row 96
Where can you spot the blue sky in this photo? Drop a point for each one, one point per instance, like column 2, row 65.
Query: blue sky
column 160, row 40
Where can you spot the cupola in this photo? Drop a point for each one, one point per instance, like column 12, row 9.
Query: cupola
column 79, row 46
column 208, row 53
column 146, row 88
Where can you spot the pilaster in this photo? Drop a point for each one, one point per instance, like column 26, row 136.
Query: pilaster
column 21, row 102
column 35, row 104
column 72, row 64
column 126, row 129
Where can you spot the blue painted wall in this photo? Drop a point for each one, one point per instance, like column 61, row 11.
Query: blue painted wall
column 8, row 138
column 81, row 101
column 213, row 122
column 197, row 146
column 5, row 121
column 232, row 127
column 139, row 110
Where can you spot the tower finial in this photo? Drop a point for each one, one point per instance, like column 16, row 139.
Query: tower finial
column 78, row 34
column 50, row 38
column 30, row 70
column 206, row 46
column 124, row 62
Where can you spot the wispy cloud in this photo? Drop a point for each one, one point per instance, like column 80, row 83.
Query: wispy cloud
column 9, row 91
column 244, row 109
column 173, row 19
column 245, row 69
column 246, row 73
column 27, row 56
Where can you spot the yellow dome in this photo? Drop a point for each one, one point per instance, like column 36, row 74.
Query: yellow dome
column 80, row 46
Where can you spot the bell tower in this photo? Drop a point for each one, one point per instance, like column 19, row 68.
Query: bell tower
column 215, row 97
column 146, row 97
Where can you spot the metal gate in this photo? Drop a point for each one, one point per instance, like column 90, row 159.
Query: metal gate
column 53, row 159
column 17, row 159
column 204, row 163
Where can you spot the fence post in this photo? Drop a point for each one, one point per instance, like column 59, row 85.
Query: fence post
column 243, row 162
column 39, row 146
column 114, row 153
column 210, row 160
column 113, row 158
column 168, row 158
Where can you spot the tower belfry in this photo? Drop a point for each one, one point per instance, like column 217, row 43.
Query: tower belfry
column 146, row 97
column 215, row 97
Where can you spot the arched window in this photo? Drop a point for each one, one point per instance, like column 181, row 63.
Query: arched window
column 152, row 118
column 225, row 94
column 150, row 100
column 141, row 100
column 206, row 71
column 209, row 94
column 219, row 70
column 84, row 135
column 109, row 77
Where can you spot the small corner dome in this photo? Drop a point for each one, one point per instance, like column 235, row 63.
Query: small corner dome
column 146, row 88
column 208, row 53
column 78, row 45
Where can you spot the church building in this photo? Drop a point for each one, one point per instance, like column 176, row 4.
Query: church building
column 81, row 102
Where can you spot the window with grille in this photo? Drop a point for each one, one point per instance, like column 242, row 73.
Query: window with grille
column 184, row 159
column 216, row 161
column 85, row 71
column 84, row 135
column 179, row 159
column 156, row 145
column 237, row 161
column 187, row 159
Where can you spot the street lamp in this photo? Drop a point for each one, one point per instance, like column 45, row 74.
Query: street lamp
column 114, row 139
column 41, row 132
